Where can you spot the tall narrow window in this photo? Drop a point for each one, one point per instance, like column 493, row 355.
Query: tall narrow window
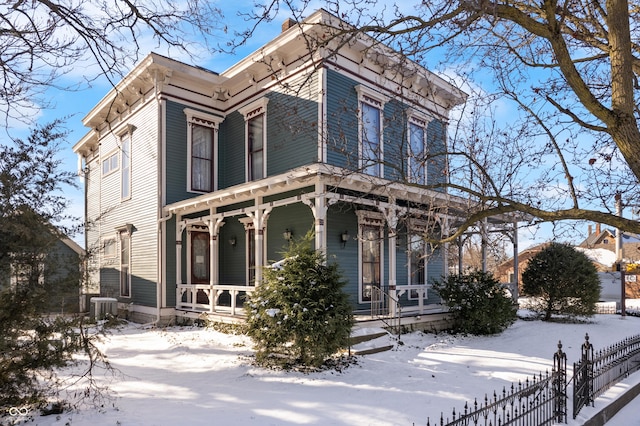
column 255, row 116
column 251, row 256
column 417, row 152
column 125, row 259
column 125, row 170
column 202, row 146
column 370, row 264
column 371, row 140
column 255, row 147
column 371, row 147
column 200, row 253
column 201, row 158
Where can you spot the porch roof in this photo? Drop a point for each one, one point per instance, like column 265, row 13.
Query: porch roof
column 321, row 175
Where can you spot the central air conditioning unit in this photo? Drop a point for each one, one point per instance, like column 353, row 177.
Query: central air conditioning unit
column 102, row 307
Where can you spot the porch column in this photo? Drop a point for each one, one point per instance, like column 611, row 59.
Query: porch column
column 214, row 248
column 259, row 218
column 319, row 209
column 179, row 228
column 214, row 229
column 391, row 215
column 189, row 263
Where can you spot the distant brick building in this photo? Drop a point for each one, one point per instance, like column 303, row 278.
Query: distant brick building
column 606, row 238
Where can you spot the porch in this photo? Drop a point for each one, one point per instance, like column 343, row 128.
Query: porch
column 225, row 303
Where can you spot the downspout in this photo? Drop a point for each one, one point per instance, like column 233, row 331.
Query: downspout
column 160, row 189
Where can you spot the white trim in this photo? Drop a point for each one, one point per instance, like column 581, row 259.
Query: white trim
column 253, row 110
column 203, row 118
column 369, row 219
column 107, row 157
column 322, row 116
column 210, row 121
column 128, row 138
column 414, row 120
column 127, row 236
column 378, row 101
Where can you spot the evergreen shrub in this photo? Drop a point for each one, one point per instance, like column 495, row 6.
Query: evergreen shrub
column 299, row 314
column 561, row 281
column 478, row 303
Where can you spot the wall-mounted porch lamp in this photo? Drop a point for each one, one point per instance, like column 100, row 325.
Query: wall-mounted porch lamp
column 287, row 235
column 344, row 237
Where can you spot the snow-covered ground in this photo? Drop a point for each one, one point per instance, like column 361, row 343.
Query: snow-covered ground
column 196, row 376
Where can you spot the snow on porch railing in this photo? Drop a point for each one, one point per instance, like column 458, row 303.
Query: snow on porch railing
column 228, row 299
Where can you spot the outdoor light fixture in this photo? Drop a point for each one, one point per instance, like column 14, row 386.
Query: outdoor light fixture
column 344, row 237
column 287, row 235
column 232, row 241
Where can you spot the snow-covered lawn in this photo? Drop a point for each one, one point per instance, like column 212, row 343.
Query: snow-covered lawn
column 196, row 376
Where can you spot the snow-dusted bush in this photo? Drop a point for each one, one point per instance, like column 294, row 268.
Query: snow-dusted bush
column 478, row 303
column 563, row 281
column 299, row 314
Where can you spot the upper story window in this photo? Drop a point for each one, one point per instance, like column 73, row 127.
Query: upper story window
column 370, row 144
column 417, row 155
column 125, row 162
column 202, row 147
column 255, row 116
column 110, row 163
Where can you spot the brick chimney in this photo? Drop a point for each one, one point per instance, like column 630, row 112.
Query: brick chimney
column 288, row 24
column 590, row 231
column 598, row 228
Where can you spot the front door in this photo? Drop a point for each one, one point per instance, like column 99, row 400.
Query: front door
column 200, row 263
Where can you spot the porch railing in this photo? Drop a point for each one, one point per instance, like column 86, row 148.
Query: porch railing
column 417, row 293
column 227, row 299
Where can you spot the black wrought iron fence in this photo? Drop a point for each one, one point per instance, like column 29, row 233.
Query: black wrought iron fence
column 539, row 401
column 599, row 371
column 542, row 400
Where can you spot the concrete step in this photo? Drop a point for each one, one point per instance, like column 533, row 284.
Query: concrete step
column 370, row 340
column 380, row 344
column 362, row 334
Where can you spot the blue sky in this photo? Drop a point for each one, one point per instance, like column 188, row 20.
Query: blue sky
column 74, row 105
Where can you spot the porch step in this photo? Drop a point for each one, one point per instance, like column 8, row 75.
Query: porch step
column 370, row 340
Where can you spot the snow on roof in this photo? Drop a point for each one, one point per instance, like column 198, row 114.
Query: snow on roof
column 600, row 255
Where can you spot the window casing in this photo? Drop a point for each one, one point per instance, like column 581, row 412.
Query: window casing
column 370, row 122
column 125, row 264
column 371, row 226
column 200, row 254
column 416, row 158
column 110, row 163
column 202, row 150
column 125, row 170
column 255, row 147
column 251, row 256
column 255, row 116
